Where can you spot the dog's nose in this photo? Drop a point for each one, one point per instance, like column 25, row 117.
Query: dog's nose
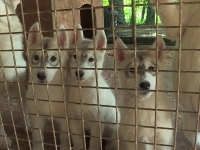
column 81, row 73
column 145, row 85
column 41, row 76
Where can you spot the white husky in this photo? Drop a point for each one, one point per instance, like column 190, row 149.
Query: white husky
column 146, row 82
column 51, row 102
column 7, row 58
column 190, row 57
column 86, row 107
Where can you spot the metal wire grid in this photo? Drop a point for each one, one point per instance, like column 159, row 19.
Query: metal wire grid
column 6, row 87
column 177, row 111
column 144, row 28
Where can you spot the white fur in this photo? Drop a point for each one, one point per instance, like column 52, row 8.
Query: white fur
column 125, row 61
column 88, row 93
column 42, row 106
column 7, row 56
column 189, row 82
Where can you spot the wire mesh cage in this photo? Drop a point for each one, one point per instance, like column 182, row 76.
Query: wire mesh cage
column 99, row 75
column 125, row 16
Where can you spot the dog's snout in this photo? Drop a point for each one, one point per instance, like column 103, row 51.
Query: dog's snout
column 41, row 76
column 81, row 73
column 145, row 85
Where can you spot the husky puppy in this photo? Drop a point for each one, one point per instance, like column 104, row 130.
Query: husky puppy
column 39, row 101
column 145, row 64
column 7, row 57
column 91, row 106
column 189, row 81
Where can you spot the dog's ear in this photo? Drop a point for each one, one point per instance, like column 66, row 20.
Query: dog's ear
column 160, row 44
column 62, row 37
column 120, row 49
column 101, row 40
column 78, row 36
column 15, row 3
column 34, row 35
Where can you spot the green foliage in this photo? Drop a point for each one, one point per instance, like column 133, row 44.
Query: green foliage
column 105, row 2
column 140, row 11
column 128, row 11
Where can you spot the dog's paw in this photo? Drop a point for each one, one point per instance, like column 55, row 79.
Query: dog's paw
column 3, row 142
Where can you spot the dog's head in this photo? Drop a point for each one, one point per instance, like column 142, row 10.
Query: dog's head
column 144, row 63
column 44, row 53
column 88, row 55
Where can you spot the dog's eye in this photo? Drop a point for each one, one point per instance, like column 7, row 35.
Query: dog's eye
column 74, row 56
column 36, row 57
column 53, row 58
column 131, row 70
column 151, row 68
column 91, row 59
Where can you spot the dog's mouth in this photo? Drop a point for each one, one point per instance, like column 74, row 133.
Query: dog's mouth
column 144, row 92
column 42, row 81
column 143, row 95
column 80, row 79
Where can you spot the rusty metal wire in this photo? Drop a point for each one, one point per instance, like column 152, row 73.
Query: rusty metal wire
column 115, row 88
